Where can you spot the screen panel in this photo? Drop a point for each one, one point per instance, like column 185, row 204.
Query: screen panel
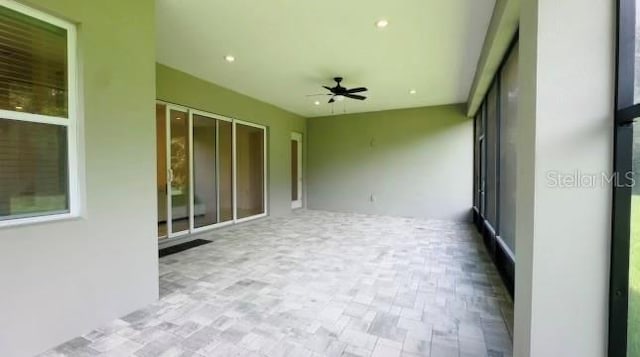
column 508, row 158
column 492, row 156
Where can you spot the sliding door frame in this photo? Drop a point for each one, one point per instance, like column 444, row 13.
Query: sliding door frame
column 190, row 113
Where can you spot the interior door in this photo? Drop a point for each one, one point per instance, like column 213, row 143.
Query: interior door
column 296, row 170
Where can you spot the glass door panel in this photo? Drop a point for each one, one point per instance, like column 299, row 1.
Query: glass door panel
column 225, row 170
column 179, row 170
column 507, row 156
column 249, row 170
column 161, row 165
column 205, row 182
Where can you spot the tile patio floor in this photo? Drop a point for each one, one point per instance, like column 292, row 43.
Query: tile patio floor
column 320, row 284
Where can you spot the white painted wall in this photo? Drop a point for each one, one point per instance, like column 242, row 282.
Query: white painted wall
column 60, row 279
column 413, row 162
column 563, row 234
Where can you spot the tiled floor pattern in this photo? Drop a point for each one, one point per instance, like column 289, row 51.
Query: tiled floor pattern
column 320, row 284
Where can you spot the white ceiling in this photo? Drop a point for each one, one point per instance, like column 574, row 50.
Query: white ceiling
column 286, row 49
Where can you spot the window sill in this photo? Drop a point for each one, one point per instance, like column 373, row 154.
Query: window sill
column 37, row 220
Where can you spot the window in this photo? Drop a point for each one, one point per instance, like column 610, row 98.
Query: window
column 495, row 165
column 508, row 158
column 491, row 137
column 476, row 164
column 37, row 116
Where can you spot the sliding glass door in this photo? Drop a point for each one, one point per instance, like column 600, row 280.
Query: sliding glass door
column 211, row 170
column 250, row 151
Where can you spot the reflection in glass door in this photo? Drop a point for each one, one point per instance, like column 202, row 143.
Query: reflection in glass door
column 179, row 178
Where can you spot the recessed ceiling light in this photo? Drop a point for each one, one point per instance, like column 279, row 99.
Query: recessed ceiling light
column 382, row 23
column 413, row 91
column 317, row 102
column 229, row 58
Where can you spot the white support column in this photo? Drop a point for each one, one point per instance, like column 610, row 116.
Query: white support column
column 563, row 233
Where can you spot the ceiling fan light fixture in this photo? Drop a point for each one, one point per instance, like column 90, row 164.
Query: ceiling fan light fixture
column 339, row 98
column 382, row 23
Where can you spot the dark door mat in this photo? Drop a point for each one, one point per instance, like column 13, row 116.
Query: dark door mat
column 182, row 247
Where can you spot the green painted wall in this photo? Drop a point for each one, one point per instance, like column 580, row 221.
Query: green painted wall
column 181, row 88
column 61, row 279
column 414, row 162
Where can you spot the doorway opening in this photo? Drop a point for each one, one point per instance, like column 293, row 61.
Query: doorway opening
column 296, row 170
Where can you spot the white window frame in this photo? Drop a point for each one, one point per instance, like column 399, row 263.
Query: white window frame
column 70, row 122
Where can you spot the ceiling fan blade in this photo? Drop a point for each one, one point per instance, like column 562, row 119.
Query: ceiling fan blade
column 328, row 88
column 355, row 96
column 357, row 90
column 316, row 95
column 331, row 100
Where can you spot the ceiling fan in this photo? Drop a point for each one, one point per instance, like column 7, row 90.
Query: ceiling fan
column 338, row 93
